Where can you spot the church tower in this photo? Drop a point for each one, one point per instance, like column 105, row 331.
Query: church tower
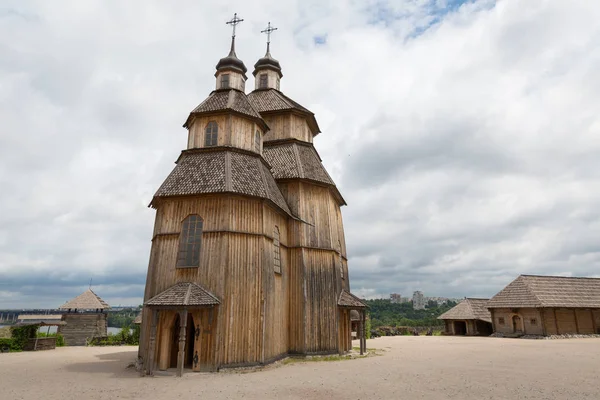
column 248, row 261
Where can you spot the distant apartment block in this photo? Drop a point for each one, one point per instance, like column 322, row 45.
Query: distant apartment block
column 418, row 300
column 395, row 298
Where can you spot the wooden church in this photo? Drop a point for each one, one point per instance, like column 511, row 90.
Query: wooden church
column 248, row 262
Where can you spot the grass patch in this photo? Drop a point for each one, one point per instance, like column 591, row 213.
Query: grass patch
column 5, row 332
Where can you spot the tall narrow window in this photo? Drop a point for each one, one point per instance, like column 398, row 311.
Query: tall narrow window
column 257, row 141
column 190, row 241
column 211, row 134
column 263, row 81
column 276, row 251
column 224, row 81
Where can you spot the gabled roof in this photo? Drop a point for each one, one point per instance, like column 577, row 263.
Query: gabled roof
column 272, row 100
column 88, row 300
column 215, row 170
column 225, row 100
column 292, row 159
column 184, row 294
column 469, row 309
column 548, row 291
column 347, row 299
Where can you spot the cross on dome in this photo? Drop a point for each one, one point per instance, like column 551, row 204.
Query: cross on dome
column 268, row 31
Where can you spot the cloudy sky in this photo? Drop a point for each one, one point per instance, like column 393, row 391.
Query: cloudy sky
column 464, row 135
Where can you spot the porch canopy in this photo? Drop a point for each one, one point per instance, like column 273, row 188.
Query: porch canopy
column 180, row 297
column 349, row 301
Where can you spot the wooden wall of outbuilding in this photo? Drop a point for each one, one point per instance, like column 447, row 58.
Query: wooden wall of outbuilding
column 548, row 321
column 82, row 326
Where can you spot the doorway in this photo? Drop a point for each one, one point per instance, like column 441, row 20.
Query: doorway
column 190, row 337
column 516, row 320
column 174, row 342
column 460, row 328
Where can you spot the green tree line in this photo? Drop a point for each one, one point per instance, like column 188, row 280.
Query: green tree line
column 385, row 313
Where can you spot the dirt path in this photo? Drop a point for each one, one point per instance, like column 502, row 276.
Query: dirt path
column 410, row 368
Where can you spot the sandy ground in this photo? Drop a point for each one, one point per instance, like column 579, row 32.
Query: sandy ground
column 409, row 368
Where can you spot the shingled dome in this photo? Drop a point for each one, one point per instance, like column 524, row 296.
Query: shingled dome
column 231, row 61
column 267, row 62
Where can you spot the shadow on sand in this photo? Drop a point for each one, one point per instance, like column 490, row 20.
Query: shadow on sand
column 117, row 364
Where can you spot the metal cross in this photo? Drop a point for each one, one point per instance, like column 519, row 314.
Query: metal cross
column 268, row 32
column 234, row 21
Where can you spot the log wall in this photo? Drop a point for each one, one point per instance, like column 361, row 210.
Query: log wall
column 287, row 125
column 234, row 131
column 82, row 326
column 548, row 321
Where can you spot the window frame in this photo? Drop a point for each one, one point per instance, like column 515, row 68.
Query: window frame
column 225, row 81
column 190, row 242
column 211, row 134
column 501, row 321
column 263, row 81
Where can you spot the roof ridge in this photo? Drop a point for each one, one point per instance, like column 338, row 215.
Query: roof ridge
column 558, row 276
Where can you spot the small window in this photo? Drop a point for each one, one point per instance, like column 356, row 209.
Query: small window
column 276, row 251
column 211, row 134
column 257, row 141
column 501, row 320
column 224, row 81
column 533, row 321
column 190, row 241
column 263, row 81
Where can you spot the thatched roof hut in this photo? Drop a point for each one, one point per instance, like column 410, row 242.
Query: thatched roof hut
column 85, row 318
column 547, row 305
column 469, row 317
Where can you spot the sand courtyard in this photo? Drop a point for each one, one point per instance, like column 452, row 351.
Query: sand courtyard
column 408, row 368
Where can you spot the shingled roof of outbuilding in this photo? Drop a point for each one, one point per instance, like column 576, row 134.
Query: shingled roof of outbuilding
column 469, row 308
column 272, row 100
column 184, row 294
column 292, row 159
column 347, row 299
column 225, row 100
column 534, row 291
column 88, row 300
column 215, row 170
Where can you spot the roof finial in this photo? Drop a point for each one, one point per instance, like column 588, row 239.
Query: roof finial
column 233, row 22
column 268, row 31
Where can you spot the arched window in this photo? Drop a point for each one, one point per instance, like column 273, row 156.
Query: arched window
column 211, row 134
column 190, row 241
column 276, row 251
column 257, row 141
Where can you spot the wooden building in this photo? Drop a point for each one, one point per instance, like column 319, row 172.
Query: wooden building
column 85, row 318
column 547, row 305
column 248, row 261
column 470, row 317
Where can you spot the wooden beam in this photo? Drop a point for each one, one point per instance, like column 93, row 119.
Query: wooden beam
column 593, row 322
column 543, row 321
column 576, row 322
column 555, row 321
column 182, row 332
column 152, row 344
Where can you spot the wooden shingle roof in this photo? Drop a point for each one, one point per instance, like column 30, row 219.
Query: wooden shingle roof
column 272, row 100
column 347, row 299
column 469, row 309
column 215, row 170
column 88, row 300
column 184, row 294
column 548, row 291
column 226, row 100
column 291, row 159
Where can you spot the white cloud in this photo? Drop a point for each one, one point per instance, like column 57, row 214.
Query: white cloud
column 465, row 143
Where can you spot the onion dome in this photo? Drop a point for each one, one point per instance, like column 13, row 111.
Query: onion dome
column 267, row 62
column 231, row 62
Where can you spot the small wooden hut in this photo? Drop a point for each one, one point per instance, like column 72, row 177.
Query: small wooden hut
column 35, row 343
column 470, row 317
column 85, row 318
column 547, row 305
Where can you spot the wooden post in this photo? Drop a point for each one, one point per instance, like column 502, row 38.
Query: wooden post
column 576, row 322
column 362, row 332
column 543, row 321
column 152, row 344
column 555, row 321
column 182, row 332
